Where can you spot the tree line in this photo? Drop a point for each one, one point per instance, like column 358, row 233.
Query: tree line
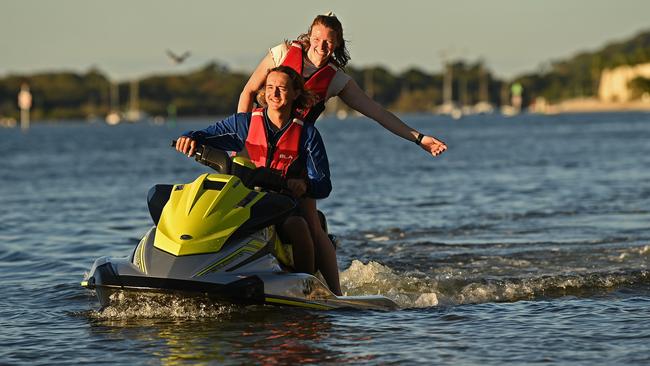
column 579, row 75
column 214, row 89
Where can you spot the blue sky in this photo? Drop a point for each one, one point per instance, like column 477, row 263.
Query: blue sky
column 128, row 39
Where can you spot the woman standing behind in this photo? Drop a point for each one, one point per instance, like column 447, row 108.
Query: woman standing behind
column 320, row 56
column 322, row 49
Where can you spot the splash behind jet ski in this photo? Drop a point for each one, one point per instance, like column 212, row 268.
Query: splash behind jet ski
column 215, row 238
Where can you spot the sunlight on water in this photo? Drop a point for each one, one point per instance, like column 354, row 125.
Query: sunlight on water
column 376, row 279
column 544, row 287
column 632, row 252
column 373, row 237
column 417, row 290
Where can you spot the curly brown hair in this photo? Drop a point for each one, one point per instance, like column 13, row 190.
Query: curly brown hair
column 305, row 99
column 341, row 55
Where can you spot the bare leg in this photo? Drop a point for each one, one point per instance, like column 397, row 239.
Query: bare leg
column 325, row 253
column 295, row 227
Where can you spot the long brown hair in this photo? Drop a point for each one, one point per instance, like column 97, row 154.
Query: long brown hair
column 305, row 97
column 341, row 54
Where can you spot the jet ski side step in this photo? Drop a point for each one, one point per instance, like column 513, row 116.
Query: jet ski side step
column 247, row 290
column 376, row 302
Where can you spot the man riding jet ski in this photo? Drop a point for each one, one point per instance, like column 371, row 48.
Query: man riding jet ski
column 224, row 236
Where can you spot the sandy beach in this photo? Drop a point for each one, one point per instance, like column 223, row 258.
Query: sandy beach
column 588, row 105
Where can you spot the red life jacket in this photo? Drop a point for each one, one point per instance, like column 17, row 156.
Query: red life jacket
column 263, row 154
column 317, row 83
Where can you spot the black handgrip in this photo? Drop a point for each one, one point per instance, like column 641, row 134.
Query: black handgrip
column 216, row 159
column 267, row 179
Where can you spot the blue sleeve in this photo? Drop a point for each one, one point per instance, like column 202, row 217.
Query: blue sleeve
column 318, row 168
column 229, row 134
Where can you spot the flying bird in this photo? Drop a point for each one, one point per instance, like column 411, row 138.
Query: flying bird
column 176, row 59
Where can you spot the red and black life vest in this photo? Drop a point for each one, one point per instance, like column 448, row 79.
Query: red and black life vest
column 317, row 83
column 279, row 156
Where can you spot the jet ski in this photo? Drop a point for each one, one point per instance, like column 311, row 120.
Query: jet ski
column 215, row 238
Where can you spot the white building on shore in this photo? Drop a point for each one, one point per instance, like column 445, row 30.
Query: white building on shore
column 614, row 83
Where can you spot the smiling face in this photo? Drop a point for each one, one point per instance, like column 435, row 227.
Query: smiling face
column 279, row 92
column 322, row 43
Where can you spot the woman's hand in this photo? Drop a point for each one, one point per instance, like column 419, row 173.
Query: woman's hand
column 186, row 146
column 432, row 145
column 298, row 187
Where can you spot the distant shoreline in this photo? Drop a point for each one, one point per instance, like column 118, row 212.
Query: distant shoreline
column 592, row 105
column 574, row 106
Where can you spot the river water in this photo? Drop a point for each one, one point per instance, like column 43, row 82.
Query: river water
column 528, row 241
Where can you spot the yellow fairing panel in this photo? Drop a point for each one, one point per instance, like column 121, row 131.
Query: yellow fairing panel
column 200, row 216
column 246, row 162
column 283, row 252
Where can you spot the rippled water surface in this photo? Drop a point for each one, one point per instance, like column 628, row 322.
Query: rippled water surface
column 527, row 242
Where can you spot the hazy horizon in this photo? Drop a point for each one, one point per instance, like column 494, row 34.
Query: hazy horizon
column 127, row 40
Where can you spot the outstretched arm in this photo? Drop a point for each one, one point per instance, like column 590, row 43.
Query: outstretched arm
column 358, row 100
column 255, row 82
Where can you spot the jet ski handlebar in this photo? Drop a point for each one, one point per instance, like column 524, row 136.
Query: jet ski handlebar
column 214, row 158
column 220, row 161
